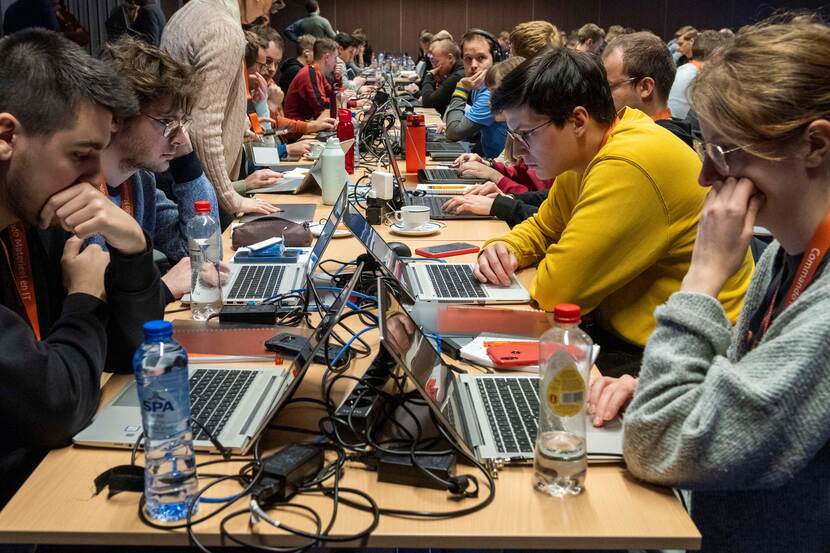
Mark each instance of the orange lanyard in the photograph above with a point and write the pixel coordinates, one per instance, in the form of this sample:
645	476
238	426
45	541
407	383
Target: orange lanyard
21	266
810	263
659	116
126	189
607	134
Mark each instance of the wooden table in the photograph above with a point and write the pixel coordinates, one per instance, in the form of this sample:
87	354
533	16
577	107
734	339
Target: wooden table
56	504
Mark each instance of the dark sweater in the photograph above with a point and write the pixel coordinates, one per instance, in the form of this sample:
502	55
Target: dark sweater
150	23
26	14
50	389
288	70
438	96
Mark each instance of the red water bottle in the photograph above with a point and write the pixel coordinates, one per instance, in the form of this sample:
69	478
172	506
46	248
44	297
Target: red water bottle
345	131
416	142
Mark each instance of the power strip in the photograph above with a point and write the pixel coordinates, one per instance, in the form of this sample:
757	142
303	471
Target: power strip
364	401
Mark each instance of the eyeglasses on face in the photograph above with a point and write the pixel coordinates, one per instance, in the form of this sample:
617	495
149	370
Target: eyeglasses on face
523	137
170	126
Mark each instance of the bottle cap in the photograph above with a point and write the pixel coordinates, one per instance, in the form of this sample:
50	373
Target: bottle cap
566	313
157	329
202	206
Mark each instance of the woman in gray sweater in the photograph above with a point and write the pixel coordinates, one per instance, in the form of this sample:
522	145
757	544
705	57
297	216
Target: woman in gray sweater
741	416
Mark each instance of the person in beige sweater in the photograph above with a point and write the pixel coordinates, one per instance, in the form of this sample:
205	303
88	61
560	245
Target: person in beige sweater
207	34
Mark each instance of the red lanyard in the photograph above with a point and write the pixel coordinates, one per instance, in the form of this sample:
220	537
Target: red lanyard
126	189
21	266
810	263
661	115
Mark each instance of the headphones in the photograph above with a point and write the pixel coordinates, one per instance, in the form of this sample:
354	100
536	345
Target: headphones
495	49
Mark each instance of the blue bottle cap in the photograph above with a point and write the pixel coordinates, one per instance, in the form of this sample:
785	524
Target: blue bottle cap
158	329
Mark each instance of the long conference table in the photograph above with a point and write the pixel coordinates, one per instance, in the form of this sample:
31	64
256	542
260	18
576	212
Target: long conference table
57	504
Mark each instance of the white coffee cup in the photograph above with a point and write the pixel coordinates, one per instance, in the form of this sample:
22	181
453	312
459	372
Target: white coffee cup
412	217
316	149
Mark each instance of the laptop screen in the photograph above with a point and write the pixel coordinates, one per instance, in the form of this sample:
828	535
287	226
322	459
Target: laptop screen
303	360
328	231
377	248
423	364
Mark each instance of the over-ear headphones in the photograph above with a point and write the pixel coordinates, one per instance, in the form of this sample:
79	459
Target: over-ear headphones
495	49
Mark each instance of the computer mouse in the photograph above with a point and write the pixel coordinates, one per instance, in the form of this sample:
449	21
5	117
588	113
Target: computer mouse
401	249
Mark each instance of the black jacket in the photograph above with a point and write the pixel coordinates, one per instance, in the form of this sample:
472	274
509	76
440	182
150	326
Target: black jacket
50	389
439	98
288	70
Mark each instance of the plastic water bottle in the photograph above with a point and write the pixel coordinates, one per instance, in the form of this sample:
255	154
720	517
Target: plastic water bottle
334	171
560	459
160	366
204	240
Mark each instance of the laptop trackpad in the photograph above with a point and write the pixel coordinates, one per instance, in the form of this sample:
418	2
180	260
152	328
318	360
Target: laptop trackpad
128	398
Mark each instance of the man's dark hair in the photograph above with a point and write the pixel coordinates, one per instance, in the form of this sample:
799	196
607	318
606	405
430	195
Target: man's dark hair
311	6
706	43
645	55
555	82
590	31
344	41
61	75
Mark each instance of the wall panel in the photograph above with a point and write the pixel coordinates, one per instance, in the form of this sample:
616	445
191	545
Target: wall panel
498	15
433	15
567	14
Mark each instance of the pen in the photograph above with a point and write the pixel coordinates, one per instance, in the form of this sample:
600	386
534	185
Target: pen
489	343
448	186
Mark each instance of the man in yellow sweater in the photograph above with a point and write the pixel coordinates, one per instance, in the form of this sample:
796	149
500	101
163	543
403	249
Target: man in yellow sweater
616	234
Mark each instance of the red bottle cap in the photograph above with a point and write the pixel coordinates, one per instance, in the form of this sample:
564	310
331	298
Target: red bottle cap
566	313
202	206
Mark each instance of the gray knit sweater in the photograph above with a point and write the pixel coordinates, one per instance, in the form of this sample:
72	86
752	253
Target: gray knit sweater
746	431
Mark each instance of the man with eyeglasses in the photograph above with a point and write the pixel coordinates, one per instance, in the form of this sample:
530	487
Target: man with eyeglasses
153	141
617	232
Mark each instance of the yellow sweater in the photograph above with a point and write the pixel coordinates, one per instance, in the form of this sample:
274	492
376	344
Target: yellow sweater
618	239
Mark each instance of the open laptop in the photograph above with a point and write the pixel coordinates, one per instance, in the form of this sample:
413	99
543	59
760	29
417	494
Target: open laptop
435	200
493	416
298	181
445	176
445	151
257	282
235	404
438	282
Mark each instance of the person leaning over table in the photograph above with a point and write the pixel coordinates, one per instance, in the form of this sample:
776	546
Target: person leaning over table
615	237
207	35
738	415
67	312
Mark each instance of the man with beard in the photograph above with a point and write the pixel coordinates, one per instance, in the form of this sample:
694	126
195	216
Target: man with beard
67	312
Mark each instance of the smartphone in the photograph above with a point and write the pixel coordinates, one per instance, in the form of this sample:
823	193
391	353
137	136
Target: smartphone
517	354
447	250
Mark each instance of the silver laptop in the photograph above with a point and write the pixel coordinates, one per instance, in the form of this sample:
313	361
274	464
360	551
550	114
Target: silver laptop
258	282
438	282
235	404
494	416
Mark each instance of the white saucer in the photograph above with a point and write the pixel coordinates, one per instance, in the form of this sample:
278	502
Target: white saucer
424	230
317	228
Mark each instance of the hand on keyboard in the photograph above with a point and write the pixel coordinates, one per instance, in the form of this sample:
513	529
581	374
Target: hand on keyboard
477	205
609	396
496	265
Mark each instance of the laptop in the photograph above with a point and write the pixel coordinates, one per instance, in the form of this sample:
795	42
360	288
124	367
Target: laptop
446	176
257	282
436	282
300	182
235	404
435	202
493	416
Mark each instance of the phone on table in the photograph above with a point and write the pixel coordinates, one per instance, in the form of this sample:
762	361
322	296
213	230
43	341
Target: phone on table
516	354
447	250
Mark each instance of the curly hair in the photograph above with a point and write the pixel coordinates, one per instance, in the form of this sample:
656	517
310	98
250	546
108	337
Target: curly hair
152	74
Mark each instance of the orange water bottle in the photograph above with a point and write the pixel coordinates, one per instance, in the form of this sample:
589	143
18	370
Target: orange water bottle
416	142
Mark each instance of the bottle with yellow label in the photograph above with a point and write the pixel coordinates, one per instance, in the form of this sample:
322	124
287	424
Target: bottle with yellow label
560	460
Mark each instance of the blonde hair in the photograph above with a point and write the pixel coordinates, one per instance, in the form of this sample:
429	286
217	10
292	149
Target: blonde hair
531	37
767	85
498	71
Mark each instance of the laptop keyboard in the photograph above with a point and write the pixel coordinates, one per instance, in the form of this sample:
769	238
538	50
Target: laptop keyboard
512	406
449	147
435	203
441	174
257	282
454	281
214	395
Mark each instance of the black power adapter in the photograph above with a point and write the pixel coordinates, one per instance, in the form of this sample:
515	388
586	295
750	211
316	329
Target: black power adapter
399	469
266	314
286	471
